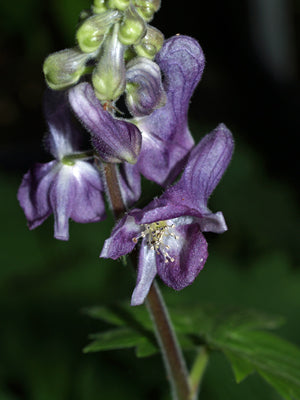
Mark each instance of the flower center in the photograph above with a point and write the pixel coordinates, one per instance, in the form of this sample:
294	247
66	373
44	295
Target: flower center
156	234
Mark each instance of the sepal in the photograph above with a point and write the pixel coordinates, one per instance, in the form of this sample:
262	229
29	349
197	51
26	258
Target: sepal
115	140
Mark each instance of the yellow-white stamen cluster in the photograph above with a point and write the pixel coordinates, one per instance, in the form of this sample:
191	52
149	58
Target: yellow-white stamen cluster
155	234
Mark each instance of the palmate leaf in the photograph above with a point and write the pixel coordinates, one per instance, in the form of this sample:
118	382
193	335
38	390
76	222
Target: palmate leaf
241	336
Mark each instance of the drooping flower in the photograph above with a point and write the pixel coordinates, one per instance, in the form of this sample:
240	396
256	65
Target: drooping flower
171	226
68	187
166	136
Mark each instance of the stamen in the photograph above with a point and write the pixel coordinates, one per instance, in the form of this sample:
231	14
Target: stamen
155	234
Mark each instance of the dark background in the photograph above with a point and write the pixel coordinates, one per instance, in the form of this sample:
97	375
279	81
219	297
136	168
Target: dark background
251	83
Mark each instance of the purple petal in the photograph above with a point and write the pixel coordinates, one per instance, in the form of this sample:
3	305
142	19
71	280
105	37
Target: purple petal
160	161
121	241
33	193
205	167
64	136
145	91
213	223
114	139
146	274
89	204
130	183
62	196
182	62
189	252
161	209
76	193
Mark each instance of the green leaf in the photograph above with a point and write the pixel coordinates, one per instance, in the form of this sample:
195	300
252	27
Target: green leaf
275	359
238	334
114	339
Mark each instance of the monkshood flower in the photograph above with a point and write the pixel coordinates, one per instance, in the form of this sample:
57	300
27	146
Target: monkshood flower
171	226
69	186
166	137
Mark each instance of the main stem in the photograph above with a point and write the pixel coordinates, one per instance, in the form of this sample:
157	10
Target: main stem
166	337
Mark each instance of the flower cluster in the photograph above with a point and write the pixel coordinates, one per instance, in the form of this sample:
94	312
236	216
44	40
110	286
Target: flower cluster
122	57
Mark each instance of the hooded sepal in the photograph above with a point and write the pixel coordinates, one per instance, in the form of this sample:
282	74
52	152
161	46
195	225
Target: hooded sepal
181	61
115	140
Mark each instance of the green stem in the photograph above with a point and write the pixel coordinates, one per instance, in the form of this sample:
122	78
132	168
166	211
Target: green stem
71	158
197	371
166	337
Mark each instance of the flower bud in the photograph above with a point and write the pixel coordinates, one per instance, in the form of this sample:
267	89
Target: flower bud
91	33
146	8
64	68
109	75
133	27
99	6
119	4
150	44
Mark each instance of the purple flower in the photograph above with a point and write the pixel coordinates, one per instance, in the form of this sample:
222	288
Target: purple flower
67	187
166	137
171	226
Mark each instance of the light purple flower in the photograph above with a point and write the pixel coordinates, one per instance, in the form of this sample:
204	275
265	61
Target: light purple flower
171	226
66	187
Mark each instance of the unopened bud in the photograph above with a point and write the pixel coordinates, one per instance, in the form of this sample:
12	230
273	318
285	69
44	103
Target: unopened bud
109	75
64	68
146	8
150	44
91	33
119	4
99	6
133	27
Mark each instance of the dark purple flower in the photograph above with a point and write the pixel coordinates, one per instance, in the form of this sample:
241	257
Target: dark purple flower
171	226
114	139
166	137
67	187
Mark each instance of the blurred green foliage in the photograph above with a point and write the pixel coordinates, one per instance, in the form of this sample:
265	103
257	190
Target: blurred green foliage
44	284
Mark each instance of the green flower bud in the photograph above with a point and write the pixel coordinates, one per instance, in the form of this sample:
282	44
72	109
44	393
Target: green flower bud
109	75
91	33
146	12
150	44
133	27
119	4
146	8
64	68
99	6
